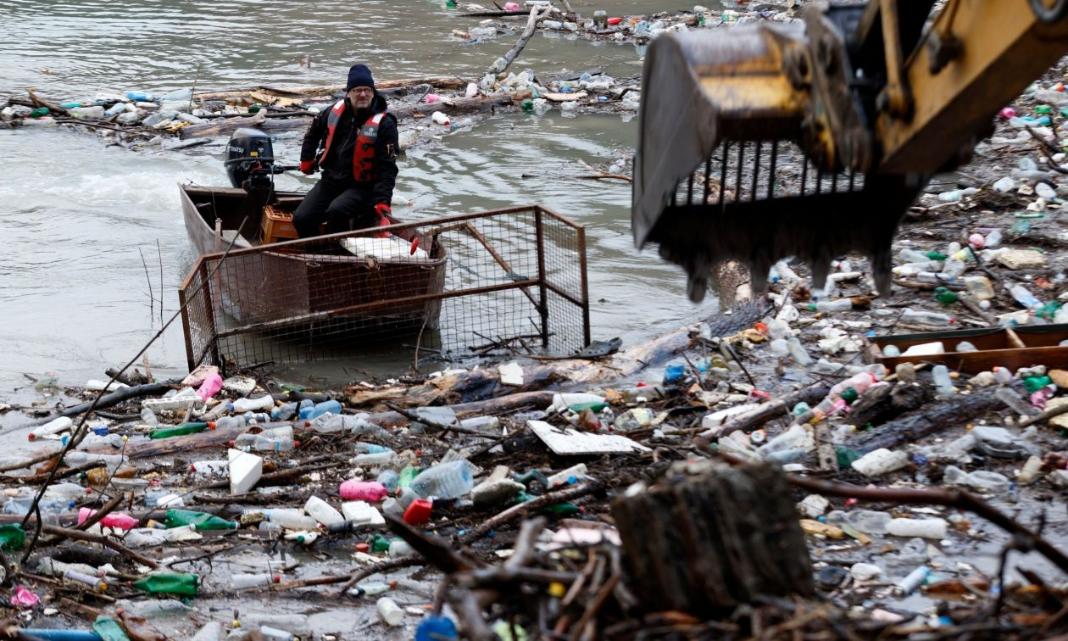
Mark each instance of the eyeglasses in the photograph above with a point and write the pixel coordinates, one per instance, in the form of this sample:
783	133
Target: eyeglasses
362	90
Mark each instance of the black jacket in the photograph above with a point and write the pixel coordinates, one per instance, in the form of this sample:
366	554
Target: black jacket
337	166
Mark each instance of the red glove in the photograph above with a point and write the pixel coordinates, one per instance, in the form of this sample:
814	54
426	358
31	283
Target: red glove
307	167
383	210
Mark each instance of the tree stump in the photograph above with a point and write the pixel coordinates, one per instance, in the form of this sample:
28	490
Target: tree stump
704	544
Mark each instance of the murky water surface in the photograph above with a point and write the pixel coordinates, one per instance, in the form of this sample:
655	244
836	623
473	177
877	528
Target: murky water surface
94	239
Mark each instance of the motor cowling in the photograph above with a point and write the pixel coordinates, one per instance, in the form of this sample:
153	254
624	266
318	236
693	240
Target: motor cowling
250	160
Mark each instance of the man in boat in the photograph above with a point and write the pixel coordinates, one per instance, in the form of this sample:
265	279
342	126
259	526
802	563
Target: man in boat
354	143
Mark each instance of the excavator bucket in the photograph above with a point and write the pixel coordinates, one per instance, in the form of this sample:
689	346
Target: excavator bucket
752	149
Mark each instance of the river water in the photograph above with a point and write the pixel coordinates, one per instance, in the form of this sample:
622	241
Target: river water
95	244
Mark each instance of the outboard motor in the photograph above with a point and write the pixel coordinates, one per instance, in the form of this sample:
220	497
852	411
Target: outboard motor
250	164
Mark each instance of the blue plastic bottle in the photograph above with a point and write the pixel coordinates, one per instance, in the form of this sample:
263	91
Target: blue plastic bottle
317	410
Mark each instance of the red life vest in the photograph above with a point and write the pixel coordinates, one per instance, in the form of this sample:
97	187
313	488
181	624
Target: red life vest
363	152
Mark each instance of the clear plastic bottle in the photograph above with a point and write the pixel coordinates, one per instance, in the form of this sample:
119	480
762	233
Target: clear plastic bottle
1025	298
148	417
933	528
827	306
244	581
320	409
285	411
389	479
943	383
445	481
798	352
921	317
869	521
228	422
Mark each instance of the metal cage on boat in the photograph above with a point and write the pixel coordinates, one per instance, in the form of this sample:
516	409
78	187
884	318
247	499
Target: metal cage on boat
504	280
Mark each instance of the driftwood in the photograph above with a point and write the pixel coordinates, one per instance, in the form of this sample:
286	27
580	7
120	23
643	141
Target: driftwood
442	82
114	398
500	65
704	544
448	105
886	402
752	420
925	421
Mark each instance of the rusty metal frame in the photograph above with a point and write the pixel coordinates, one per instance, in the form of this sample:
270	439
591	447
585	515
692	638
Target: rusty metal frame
540	214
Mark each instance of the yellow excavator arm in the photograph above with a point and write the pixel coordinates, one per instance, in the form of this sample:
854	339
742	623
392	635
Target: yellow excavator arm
811	139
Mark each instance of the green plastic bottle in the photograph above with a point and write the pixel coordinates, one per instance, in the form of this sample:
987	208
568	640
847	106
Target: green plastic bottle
201	521
1035	383
945	296
109	629
379	543
11	537
407	475
178	583
563	509
39	112
178	430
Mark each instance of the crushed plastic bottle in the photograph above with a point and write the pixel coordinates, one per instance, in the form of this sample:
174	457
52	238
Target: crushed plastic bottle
444	481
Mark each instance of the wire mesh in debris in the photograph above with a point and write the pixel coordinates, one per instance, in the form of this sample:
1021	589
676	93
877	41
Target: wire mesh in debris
473	284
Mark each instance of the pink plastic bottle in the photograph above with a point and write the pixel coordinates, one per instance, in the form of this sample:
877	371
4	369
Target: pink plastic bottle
210	387
371	491
117	521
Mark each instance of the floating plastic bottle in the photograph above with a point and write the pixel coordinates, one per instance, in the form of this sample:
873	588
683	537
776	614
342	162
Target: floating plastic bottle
179	583
115	520
261	404
577	402
244	581
201	521
445	481
920	317
178	430
370	491
285	411
943	382
390	613
322	511
933	528
319	409
436	628
1025	298
290	519
56	426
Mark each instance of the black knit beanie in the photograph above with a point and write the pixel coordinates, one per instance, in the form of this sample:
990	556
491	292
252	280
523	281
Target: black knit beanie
360	76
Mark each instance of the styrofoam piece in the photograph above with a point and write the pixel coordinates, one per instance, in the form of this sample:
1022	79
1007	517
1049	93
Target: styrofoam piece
567	441
511	374
245	471
362	513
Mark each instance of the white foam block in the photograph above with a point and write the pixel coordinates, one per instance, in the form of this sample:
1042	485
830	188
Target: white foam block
245	471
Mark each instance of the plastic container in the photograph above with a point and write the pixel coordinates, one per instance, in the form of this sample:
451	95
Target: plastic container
261	404
435	627
284	412
389	479
388	610
370	491
1024	297
319	409
322	512
577	402
178	430
933	528
418	512
869	521
445	481
914	580
230	422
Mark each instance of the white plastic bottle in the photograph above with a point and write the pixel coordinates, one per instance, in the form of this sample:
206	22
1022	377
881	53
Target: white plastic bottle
61	424
881	461
261	404
933	528
390	612
290	519
322	512
444	481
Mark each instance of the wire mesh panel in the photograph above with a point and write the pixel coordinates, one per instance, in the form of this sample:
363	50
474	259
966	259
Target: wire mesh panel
510	280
